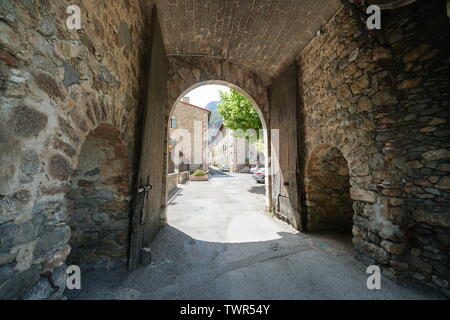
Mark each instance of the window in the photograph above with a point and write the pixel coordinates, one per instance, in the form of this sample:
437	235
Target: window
173	123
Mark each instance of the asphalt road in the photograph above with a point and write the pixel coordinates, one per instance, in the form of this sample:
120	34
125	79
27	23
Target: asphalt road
220	243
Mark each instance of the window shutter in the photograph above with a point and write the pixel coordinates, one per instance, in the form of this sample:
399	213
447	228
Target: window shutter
173	123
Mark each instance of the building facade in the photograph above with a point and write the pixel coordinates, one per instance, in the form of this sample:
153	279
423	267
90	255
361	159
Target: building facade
228	152
188	142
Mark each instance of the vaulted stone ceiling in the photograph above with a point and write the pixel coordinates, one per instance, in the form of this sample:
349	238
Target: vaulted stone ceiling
263	35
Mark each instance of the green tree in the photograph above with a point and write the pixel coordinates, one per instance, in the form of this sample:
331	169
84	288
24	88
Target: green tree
238	112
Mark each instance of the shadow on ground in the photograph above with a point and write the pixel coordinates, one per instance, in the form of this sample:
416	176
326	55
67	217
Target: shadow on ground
259	189
188	268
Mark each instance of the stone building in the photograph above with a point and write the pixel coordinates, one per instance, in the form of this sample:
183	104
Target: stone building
84	116
233	153
220	149
188	137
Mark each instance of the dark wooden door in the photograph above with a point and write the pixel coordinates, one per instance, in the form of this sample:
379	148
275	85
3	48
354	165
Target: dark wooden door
284	150
148	196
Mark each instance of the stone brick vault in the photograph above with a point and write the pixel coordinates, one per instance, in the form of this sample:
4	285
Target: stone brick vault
372	125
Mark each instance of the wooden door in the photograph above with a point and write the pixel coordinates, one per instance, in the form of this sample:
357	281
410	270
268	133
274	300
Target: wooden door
147	197
283	94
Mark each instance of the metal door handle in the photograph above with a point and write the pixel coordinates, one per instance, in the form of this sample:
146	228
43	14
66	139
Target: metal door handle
146	188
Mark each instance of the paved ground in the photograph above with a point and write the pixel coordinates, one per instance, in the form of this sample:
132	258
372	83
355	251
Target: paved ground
220	244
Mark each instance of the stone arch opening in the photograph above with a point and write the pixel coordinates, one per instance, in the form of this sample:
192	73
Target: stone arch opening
327	184
98	202
226	84
262	116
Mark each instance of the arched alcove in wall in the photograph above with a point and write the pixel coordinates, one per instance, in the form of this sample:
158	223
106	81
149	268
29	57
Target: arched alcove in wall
98	202
327	186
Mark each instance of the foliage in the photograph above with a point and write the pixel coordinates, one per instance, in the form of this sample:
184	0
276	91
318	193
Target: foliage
259	145
238	113
199	173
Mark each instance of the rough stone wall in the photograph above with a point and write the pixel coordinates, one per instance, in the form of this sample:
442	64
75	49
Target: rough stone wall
56	86
416	138
98	202
342	88
328	191
187	73
386	110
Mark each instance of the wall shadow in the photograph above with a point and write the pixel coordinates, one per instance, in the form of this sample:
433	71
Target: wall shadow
190	266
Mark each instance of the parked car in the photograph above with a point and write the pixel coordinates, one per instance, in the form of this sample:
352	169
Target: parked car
254	169
225	168
260	175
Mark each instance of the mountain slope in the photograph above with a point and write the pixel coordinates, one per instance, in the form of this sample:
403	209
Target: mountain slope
215	121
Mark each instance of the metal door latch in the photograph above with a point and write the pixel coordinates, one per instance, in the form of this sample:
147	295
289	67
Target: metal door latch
142	197
146	188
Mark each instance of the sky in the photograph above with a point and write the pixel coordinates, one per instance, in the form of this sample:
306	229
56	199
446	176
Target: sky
201	96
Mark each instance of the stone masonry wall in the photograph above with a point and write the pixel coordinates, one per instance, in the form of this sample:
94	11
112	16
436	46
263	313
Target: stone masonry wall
98	203
386	109
56	86
327	185
192	119
342	88
187	73
416	138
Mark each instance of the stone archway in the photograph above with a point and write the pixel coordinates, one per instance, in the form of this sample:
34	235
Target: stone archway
188	73
98	202
262	115
327	185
